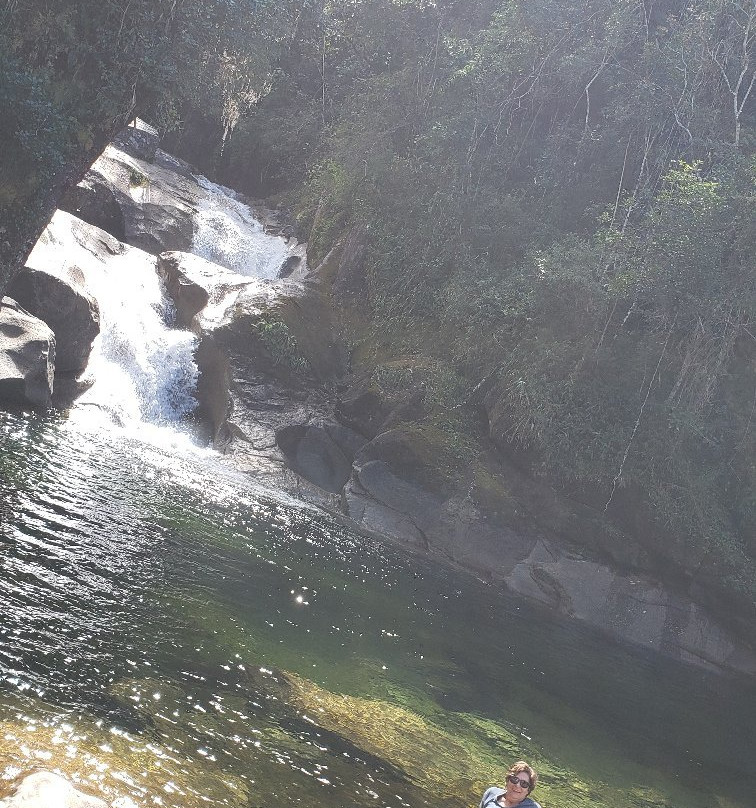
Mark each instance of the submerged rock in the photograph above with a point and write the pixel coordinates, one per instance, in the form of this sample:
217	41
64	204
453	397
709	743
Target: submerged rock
431	756
49	790
27	357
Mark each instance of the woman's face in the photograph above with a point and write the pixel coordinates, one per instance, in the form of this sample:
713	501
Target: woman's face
516	792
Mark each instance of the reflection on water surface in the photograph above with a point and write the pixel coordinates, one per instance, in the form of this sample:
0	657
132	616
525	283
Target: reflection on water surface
170	635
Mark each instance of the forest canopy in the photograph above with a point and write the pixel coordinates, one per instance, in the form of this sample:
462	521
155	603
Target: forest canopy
565	193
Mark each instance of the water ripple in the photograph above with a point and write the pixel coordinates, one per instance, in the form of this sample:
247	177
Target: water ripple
167	634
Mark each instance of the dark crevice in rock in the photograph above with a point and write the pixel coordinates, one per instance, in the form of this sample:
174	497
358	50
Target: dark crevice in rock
212	393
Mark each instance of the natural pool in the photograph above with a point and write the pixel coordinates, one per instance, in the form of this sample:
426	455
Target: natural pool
170	634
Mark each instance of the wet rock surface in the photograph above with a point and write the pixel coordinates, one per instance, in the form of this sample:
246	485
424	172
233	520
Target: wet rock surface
345	453
45	789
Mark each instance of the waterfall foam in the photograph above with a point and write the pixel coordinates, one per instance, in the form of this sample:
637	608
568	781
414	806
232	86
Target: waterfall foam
143	372
227	233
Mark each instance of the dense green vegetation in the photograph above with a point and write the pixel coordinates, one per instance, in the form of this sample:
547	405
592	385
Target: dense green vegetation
565	192
553	202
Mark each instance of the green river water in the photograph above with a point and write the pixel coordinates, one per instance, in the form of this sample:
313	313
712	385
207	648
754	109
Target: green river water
171	635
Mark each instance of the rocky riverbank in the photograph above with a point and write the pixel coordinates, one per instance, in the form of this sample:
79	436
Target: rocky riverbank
282	396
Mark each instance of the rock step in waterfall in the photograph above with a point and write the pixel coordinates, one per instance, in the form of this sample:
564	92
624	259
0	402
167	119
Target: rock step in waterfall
251	357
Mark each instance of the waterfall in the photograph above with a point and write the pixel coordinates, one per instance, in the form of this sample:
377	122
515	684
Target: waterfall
227	233
142	371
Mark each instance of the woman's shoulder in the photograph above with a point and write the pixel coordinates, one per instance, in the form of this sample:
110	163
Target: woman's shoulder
491	795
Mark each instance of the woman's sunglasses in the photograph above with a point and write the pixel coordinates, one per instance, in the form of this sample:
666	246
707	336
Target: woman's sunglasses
515	781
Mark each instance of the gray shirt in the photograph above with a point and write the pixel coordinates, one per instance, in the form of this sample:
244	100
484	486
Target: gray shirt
493	794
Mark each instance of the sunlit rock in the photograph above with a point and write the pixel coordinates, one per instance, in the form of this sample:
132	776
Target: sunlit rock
138	139
633	608
152	205
263	363
197	285
27	357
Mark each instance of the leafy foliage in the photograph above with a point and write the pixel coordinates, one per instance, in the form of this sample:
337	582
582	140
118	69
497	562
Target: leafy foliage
564	194
73	73
280	343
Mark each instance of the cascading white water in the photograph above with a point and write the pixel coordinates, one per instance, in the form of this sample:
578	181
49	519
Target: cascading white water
143	372
227	233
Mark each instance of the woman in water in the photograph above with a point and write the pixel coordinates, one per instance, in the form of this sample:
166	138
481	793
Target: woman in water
521	780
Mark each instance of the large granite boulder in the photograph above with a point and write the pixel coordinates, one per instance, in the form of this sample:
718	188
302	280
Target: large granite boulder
635	608
123	194
321	453
397	489
148	205
58	297
138	139
197	285
95	201
263	354
27	357
383	497
44	789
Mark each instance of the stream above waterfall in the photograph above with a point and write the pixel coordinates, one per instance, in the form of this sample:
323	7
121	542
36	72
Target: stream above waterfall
172	635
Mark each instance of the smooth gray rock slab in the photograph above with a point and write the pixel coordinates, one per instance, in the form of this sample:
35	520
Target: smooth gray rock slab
27	357
58	297
139	139
96	202
452	528
633	608
157	205
197	285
